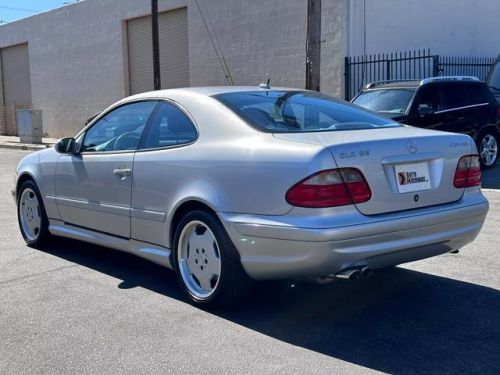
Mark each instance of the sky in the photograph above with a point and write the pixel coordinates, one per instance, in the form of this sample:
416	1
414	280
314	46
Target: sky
12	10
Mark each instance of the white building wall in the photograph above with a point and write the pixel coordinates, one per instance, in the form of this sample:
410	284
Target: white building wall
447	27
78	56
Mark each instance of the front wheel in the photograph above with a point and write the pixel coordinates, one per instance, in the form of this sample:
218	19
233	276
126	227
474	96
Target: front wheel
207	263
31	215
488	149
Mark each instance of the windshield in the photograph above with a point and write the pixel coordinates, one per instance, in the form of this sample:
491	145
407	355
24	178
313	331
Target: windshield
386	100
299	111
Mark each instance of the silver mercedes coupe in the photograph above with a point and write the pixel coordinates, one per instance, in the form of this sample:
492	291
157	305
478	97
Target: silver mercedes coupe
229	184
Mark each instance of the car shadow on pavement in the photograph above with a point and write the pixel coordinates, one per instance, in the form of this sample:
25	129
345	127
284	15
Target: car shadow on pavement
397	321
490	178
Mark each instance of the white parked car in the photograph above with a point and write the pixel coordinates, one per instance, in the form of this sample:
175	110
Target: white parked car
227	184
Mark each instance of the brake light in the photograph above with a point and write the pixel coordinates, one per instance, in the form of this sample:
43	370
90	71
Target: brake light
468	173
330	188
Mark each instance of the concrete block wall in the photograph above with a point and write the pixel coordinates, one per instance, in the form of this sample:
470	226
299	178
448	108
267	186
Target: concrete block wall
8	120
333	36
260	39
78	55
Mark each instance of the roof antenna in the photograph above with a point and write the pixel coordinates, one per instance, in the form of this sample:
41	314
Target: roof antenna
266	86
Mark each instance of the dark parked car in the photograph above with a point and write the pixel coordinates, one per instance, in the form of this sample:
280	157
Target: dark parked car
493	79
454	104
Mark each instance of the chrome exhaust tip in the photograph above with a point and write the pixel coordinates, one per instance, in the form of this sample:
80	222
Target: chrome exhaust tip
349	274
366	272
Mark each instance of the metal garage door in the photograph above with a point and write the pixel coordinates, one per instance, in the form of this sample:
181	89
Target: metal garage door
174	55
15	85
16	76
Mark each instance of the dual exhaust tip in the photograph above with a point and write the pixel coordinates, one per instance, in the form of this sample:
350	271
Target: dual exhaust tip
355	273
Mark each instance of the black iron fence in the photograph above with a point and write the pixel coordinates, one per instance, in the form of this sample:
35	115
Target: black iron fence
419	64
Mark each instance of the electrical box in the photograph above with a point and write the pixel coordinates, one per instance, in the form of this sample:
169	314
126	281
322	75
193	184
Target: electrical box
29	125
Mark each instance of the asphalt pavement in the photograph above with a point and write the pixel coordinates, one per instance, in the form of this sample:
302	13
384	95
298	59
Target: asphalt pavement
79	308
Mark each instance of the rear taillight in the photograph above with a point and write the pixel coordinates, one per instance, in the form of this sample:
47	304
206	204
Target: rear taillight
468	173
330	188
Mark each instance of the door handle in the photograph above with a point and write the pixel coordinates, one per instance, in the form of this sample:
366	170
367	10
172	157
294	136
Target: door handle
123	173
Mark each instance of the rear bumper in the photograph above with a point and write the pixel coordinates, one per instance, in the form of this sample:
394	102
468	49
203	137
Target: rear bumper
282	250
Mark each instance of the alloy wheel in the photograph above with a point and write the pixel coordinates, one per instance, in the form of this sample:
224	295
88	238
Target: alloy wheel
30	214
488	150
199	259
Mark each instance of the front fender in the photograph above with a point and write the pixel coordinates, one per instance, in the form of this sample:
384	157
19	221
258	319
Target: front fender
40	167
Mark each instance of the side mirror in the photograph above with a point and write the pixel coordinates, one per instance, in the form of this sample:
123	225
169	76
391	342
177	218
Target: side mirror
66	146
424	111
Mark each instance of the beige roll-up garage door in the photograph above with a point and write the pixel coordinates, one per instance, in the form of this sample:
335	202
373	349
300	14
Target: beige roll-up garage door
174	55
16	76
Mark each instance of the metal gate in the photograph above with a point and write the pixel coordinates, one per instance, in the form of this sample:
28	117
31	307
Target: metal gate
418	64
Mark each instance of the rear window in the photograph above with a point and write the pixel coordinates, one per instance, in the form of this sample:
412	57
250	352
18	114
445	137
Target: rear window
299	111
479	93
464	94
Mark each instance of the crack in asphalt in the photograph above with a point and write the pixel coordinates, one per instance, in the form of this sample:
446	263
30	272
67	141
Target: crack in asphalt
17	259
20	278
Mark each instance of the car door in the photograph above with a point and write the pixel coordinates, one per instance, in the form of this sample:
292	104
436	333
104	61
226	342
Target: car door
161	172
93	187
458	108
425	111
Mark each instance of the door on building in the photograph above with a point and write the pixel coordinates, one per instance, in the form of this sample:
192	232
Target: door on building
15	85
174	52
94	187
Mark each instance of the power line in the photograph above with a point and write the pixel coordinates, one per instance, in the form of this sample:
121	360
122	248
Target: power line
223	58
221	62
20	9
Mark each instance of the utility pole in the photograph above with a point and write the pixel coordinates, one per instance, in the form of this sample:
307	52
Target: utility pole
313	44
156	47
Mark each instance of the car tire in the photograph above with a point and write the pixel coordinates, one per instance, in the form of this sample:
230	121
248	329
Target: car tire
207	263
488	149
31	215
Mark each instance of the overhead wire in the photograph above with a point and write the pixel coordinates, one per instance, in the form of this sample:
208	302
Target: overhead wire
20	9
220	58
212	25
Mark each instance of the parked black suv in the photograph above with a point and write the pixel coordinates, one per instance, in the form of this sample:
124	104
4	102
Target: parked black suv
454	104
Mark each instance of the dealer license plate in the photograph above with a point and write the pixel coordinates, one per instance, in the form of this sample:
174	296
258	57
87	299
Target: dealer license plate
412	177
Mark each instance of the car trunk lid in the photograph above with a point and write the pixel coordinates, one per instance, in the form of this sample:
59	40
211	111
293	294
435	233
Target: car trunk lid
405	167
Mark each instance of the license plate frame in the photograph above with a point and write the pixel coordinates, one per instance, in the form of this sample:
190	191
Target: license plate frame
412	177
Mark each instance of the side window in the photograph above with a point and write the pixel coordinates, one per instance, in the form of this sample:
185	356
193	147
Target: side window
170	127
430	100
456	96
478	94
120	129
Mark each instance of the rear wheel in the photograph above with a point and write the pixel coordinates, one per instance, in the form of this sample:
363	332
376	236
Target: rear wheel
31	215
488	149
208	268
